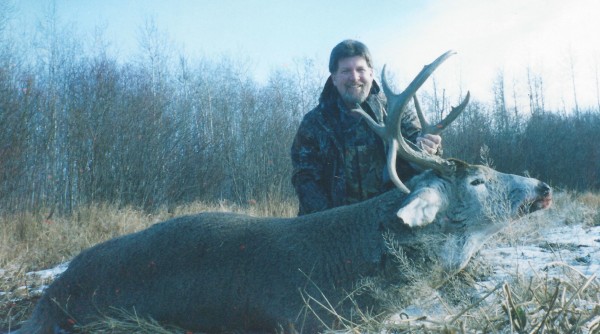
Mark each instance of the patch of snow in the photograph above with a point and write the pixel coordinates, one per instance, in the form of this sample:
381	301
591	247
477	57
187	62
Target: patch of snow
37	281
553	252
45	277
48	274
576	247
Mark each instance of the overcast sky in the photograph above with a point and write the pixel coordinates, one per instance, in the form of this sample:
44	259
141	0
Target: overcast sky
546	36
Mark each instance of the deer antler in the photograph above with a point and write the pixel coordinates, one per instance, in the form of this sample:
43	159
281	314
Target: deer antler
391	131
427	128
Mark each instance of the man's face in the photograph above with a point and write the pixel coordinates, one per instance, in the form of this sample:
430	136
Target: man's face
353	80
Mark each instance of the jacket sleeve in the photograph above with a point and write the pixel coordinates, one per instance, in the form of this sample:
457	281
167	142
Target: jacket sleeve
308	170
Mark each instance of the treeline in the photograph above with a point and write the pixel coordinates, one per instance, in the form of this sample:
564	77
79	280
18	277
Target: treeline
77	126
142	136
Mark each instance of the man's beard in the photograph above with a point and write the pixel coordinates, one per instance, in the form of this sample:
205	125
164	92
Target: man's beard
355	97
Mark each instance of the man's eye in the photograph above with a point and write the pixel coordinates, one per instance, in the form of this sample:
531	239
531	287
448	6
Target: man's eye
477	182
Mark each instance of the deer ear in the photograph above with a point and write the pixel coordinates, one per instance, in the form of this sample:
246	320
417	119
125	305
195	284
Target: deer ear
421	207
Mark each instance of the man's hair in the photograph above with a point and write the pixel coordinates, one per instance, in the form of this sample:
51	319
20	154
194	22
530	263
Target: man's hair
346	49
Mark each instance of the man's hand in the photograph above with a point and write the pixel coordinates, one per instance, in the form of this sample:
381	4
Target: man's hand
429	143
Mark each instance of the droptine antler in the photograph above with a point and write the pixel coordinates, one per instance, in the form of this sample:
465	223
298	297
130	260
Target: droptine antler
391	131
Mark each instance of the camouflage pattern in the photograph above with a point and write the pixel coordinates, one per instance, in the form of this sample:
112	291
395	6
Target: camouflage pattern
337	159
364	158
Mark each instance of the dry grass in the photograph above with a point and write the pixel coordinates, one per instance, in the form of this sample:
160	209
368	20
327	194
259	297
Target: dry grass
31	242
129	323
462	304
539	305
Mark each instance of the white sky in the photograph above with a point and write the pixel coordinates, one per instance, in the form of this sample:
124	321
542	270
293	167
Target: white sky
546	36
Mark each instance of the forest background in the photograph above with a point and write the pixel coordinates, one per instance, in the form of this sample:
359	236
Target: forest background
79	126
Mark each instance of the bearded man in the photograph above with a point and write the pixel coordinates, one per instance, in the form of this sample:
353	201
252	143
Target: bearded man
337	159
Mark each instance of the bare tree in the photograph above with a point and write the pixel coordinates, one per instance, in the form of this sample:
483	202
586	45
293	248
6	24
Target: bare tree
536	91
597	84
572	72
501	110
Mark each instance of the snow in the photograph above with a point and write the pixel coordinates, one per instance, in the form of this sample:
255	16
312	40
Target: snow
575	246
36	281
555	250
46	276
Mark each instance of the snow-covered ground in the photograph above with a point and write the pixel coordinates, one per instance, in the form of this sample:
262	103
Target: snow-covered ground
46	276
576	247
37	281
549	246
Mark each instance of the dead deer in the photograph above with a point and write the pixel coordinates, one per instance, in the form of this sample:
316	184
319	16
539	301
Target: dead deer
224	272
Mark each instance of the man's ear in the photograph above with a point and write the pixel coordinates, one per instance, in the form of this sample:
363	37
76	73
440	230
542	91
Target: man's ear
334	78
421	207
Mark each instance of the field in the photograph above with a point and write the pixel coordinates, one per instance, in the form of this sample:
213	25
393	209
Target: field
538	276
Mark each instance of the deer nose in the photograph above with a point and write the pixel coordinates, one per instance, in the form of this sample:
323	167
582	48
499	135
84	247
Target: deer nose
543	189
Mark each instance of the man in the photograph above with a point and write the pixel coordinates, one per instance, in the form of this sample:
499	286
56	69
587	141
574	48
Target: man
337	159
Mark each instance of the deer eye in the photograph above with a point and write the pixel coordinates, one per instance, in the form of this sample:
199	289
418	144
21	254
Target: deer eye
477	182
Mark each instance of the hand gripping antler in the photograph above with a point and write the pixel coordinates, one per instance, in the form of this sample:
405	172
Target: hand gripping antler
391	131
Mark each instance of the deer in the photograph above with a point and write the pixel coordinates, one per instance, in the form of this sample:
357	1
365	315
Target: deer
225	272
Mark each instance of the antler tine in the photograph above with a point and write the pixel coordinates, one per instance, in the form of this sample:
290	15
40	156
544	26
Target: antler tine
398	102
391	131
378	128
425	73
422	120
427	128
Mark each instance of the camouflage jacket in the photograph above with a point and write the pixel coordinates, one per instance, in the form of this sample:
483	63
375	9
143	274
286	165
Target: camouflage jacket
337	159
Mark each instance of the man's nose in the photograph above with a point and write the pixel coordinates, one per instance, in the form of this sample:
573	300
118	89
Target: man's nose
354	75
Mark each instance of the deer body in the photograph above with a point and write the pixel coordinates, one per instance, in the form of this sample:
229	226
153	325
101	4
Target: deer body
217	271
221	271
